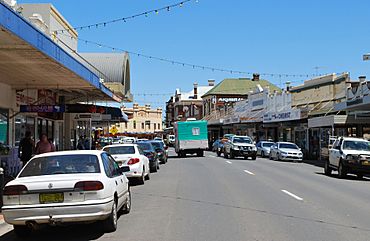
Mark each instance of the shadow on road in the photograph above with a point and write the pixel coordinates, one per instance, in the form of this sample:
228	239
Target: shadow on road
348	177
70	233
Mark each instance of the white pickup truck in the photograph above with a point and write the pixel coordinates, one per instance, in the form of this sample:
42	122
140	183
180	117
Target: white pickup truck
349	155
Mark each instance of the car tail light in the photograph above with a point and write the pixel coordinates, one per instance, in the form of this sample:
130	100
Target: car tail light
133	161
149	155
14	190
89	185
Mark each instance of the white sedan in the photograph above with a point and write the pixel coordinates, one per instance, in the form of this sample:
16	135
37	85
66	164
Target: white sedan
131	155
286	151
67	187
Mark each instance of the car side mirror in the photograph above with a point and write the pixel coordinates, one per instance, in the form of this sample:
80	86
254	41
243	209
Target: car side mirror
124	169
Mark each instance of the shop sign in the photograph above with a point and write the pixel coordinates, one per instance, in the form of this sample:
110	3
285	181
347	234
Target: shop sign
47	97
88	117
355	102
282	116
26	97
42	108
250	119
228	99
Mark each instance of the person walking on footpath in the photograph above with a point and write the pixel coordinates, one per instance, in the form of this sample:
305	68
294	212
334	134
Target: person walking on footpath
44	145
26	148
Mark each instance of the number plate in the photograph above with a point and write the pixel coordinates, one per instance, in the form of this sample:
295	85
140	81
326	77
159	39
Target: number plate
51	197
366	163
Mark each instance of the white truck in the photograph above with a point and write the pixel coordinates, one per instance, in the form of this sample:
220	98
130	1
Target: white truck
349	155
191	137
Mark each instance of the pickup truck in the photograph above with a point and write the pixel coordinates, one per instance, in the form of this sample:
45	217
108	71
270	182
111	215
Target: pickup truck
349	155
240	146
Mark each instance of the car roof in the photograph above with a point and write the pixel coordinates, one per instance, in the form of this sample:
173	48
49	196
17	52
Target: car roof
242	136
285	142
352	139
123	144
72	152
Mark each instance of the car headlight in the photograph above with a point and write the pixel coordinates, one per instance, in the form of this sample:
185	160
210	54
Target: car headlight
283	153
300	154
236	147
254	148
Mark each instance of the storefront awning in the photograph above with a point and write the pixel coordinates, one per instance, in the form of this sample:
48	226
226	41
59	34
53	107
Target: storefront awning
29	59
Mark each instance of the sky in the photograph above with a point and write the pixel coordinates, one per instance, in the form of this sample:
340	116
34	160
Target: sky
263	36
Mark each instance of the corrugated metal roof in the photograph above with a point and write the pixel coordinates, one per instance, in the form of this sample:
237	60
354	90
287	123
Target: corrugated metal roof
113	65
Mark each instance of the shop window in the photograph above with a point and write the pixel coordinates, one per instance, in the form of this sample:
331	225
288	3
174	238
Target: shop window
4	126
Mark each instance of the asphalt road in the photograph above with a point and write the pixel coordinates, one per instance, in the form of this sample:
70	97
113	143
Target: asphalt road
212	198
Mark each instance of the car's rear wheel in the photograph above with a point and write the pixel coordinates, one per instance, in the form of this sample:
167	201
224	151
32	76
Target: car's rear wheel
327	169
342	172
232	156
110	224
22	231
147	177
141	179
127	206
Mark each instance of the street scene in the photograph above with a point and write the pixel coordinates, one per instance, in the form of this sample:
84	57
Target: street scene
184	120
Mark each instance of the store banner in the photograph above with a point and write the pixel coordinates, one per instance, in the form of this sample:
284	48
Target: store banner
42	108
287	115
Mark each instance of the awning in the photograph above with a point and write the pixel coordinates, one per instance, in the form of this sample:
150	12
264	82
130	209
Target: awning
29	59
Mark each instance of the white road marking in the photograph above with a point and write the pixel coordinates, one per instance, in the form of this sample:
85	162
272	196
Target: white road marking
250	173
292	195
229	162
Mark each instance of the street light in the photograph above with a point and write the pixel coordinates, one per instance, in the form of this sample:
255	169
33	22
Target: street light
366	57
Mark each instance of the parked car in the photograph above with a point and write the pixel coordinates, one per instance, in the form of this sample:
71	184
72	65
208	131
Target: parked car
224	139
131	155
240	146
151	154
216	144
67	187
349	155
286	151
129	140
161	150
263	148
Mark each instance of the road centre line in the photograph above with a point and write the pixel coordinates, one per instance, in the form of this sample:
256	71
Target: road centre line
250	173
292	195
229	162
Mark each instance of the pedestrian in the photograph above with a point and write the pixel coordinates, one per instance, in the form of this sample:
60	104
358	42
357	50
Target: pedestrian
80	144
26	148
44	145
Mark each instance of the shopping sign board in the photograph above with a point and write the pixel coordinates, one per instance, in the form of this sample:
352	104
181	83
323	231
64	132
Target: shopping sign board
42	108
282	116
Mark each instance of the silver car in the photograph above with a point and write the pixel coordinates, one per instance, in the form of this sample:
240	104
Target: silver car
286	151
263	148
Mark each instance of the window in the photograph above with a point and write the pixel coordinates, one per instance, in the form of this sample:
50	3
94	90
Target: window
114	166
61	164
142	126
126	125
154	126
134	124
108	168
196	131
114	150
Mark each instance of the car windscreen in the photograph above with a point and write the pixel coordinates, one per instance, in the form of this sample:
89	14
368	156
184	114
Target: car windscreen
356	145
120	150
288	146
242	140
157	145
61	164
145	146
267	144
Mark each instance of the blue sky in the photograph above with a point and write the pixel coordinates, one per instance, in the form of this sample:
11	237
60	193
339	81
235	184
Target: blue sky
286	36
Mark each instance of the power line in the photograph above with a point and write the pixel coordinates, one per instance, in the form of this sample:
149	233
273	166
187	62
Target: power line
124	19
184	64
